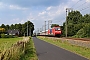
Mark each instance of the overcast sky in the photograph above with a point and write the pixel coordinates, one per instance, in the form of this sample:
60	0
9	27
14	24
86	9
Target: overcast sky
38	11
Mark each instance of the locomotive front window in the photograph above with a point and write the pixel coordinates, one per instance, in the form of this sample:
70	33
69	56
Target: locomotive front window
57	29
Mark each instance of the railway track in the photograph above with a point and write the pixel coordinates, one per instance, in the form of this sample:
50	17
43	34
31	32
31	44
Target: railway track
83	42
82	39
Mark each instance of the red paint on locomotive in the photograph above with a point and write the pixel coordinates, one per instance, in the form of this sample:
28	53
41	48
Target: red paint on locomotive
55	31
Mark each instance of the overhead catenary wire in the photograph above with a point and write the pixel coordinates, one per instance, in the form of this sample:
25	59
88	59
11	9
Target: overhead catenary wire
76	7
75	3
81	5
85	8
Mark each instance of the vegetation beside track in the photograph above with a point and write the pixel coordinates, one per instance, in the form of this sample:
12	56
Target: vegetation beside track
85	52
30	51
18	50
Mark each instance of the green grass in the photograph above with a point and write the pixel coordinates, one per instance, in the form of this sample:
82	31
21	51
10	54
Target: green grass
16	53
85	52
30	52
6	43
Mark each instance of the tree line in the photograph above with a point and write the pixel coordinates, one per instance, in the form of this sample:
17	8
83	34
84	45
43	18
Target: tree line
21	27
78	25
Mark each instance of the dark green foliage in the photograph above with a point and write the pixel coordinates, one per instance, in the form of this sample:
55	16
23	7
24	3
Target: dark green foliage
77	25
86	18
2	26
84	32
7	36
54	25
21	27
3	36
74	17
30	51
30	28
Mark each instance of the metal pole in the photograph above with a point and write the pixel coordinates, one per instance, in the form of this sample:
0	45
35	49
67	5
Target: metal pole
66	22
42	28
50	21
30	31
27	28
67	11
45	27
48	25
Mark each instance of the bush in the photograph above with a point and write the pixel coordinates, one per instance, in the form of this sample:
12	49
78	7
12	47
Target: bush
7	36
10	36
3	36
84	32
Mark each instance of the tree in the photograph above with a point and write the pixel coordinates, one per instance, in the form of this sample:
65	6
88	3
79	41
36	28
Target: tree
12	27
54	25
7	27
74	19
2	30
2	26
30	28
21	27
83	32
86	18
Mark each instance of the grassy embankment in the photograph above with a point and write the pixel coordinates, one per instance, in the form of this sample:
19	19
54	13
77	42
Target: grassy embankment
30	52
10	50
85	52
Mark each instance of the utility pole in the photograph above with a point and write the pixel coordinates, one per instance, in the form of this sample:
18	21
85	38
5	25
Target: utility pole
27	28
30	31
67	11
38	30
45	27
42	28
48	24
50	21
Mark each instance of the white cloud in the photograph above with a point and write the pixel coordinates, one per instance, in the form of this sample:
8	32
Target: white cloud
17	19
31	17
2	5
42	13
49	8
54	13
22	21
88	1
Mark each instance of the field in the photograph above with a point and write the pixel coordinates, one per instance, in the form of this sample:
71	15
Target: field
22	50
85	52
6	43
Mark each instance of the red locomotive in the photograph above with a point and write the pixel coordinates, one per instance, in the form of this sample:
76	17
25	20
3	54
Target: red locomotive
55	31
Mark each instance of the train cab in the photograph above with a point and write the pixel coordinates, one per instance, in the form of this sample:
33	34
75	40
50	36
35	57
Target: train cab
55	31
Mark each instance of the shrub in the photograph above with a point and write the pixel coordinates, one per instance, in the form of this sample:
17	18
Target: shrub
11	36
3	36
7	36
84	32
